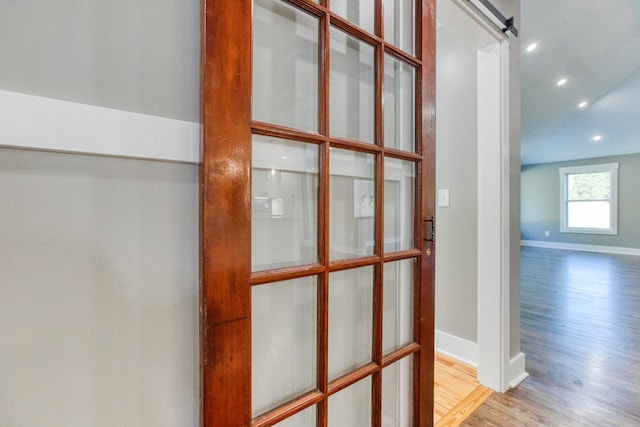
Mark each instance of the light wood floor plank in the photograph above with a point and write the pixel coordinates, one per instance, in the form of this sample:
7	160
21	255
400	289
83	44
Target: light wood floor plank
457	391
465	408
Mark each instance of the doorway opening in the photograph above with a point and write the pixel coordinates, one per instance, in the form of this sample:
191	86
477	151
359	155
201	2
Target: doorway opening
472	181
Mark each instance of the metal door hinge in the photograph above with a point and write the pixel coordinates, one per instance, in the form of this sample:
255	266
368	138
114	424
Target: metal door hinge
430	230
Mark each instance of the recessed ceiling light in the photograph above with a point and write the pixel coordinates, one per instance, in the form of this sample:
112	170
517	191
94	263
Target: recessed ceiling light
284	157
562	82
532	47
583	104
597	138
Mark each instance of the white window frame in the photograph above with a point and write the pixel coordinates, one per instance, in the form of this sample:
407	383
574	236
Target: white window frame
612	168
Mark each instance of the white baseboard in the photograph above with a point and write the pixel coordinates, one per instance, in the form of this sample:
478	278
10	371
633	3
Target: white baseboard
517	372
456	347
467	352
580	247
34	122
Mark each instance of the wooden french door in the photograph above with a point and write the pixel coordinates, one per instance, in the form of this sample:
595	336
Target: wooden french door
317	190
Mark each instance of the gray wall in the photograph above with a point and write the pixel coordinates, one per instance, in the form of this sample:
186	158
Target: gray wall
99	256
456	169
541	203
140	56
98	291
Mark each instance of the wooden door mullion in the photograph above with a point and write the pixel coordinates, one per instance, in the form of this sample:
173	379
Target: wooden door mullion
323	340
325	54
378	301
377	344
323	241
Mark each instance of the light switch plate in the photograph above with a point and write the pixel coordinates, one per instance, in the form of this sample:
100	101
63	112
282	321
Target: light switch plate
443	198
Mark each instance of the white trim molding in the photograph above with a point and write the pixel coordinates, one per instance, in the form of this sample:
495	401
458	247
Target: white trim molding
609	168
494	321
467	352
517	372
581	247
459	348
38	123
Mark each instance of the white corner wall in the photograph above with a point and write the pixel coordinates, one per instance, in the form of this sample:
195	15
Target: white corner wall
497	344
98	291
456	171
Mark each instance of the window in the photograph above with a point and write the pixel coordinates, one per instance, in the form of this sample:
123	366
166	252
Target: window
589	199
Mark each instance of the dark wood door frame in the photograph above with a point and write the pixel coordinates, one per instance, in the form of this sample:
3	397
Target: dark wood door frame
225	297
225	290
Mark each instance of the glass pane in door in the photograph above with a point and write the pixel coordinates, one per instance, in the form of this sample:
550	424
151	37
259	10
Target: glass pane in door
351	406
398	296
399	23
399	104
352	204
399	204
285	65
305	418
284	342
359	12
350	320
397	394
351	91
284	185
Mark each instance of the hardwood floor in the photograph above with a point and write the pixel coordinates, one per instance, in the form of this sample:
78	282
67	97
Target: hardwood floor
581	336
457	391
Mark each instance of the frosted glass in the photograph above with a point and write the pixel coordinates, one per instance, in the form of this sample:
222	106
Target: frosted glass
399	104
351	406
284	339
399	23
397	394
399	204
350	320
351	94
359	12
306	418
352	204
284	191
285	65
398	297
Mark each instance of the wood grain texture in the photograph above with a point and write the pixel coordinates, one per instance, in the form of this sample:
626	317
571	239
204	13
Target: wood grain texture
465	407
581	336
225	213
457	391
426	126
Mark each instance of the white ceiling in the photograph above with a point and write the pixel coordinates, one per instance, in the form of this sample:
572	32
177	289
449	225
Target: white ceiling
595	45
